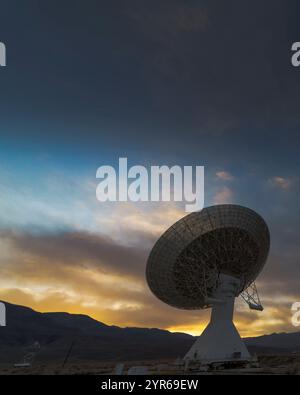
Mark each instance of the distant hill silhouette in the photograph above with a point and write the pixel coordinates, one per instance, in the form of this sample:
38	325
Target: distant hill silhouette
94	340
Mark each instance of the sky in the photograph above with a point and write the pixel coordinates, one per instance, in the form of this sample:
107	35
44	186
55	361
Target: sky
167	82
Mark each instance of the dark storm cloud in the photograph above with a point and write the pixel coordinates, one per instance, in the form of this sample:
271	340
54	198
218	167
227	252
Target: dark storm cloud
86	250
81	248
281	275
235	67
217	73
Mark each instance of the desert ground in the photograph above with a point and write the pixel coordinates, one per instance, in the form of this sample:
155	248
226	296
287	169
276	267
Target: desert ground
269	365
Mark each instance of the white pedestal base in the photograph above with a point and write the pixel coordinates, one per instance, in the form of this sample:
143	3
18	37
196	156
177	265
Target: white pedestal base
220	341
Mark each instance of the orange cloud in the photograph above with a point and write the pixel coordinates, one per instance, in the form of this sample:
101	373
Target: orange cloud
225	176
94	275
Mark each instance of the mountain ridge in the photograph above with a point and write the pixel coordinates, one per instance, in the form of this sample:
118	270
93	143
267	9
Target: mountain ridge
94	340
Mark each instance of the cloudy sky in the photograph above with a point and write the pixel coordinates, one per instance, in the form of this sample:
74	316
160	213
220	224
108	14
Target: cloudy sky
203	82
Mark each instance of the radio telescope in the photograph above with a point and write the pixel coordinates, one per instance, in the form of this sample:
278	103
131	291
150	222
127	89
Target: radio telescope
206	260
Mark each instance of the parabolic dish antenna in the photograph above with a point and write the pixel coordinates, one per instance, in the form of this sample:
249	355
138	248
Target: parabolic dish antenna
206	260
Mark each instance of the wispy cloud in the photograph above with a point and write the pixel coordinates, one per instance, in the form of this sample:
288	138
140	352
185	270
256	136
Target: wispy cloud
281	183
224	175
